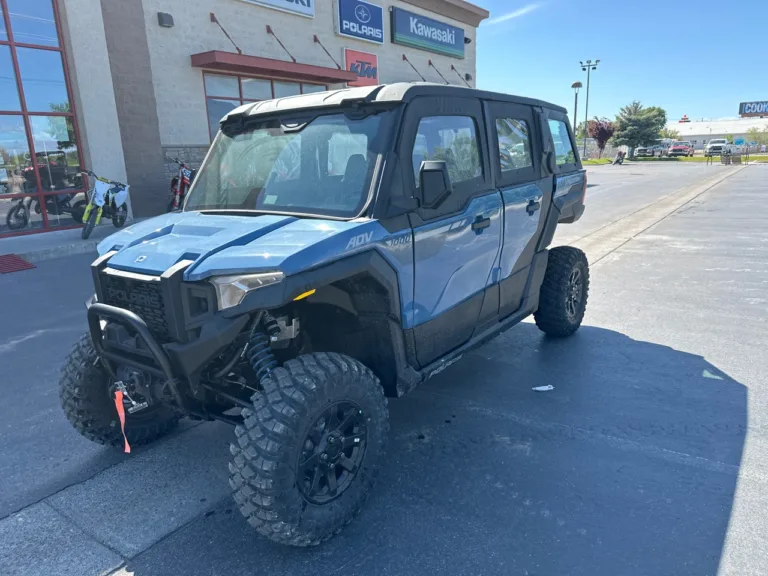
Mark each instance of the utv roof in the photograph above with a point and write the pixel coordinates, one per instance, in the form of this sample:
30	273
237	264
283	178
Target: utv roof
387	93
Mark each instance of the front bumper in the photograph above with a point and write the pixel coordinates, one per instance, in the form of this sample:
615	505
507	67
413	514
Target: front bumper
173	338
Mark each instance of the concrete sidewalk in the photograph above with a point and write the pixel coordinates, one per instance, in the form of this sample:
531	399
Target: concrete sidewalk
52	245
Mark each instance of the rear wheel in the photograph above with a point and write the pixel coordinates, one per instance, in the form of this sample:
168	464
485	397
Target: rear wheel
119	215
563	297
84	391
308	452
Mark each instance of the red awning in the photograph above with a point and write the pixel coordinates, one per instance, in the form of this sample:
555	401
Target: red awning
257	66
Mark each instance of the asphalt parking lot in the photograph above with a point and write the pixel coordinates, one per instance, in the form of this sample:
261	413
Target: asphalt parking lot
648	457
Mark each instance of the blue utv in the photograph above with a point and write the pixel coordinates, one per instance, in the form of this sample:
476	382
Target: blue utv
336	249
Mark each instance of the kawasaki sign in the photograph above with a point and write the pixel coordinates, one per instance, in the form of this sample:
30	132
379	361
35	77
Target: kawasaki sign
753	108
425	33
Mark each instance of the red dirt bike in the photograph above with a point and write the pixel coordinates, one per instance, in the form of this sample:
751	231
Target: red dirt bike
180	185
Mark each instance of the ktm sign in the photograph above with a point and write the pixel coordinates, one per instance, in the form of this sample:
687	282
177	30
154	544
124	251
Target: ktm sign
364	64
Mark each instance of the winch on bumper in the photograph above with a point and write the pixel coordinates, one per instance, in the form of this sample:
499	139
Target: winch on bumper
159	325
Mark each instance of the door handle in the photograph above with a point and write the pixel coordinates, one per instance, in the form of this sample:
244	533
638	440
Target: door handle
480	224
532	207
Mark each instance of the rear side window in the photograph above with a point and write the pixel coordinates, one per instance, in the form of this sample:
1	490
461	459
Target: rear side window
562	141
514	144
452	139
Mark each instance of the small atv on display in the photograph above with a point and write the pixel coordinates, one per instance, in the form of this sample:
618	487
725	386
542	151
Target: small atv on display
335	249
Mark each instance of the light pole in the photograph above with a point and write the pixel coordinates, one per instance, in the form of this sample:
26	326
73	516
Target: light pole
587	67
576	86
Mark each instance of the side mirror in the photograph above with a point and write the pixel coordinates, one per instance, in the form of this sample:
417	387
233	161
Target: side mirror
434	183
550	161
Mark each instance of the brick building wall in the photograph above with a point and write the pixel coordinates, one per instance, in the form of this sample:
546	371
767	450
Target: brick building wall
154	99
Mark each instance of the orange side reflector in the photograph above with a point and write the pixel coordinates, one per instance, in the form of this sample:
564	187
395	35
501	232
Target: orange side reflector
305	294
121	414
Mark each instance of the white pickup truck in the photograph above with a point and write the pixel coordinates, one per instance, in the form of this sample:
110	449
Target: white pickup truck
718	147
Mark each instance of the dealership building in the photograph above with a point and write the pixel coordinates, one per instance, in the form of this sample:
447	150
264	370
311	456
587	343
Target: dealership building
121	87
699	132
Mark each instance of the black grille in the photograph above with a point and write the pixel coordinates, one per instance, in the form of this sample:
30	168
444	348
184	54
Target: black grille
143	298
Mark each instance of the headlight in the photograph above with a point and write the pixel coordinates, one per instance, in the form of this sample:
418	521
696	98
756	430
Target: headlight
230	290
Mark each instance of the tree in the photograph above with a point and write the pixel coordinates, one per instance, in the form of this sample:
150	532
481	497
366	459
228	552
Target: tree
581	131
636	126
601	129
670	134
757	135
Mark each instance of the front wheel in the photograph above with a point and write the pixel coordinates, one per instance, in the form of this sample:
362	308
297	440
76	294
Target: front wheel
308	452
564	292
18	216
84	391
90	223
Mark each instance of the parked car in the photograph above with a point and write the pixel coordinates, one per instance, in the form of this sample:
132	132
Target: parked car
717	147
654	150
680	148
302	297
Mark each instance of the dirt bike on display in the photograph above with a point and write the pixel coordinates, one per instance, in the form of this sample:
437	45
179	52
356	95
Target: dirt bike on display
18	216
180	185
106	198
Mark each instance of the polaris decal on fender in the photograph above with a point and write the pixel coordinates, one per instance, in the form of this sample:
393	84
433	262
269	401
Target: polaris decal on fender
359	240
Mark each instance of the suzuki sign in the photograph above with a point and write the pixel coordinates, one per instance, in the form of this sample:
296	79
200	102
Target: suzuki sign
303	7
753	108
361	20
364	64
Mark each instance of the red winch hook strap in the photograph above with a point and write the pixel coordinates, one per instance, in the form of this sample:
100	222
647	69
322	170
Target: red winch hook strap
121	414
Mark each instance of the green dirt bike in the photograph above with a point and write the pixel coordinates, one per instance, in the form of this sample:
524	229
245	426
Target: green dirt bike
106	198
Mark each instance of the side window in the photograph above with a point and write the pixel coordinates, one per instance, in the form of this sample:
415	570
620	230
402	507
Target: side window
562	141
514	144
452	139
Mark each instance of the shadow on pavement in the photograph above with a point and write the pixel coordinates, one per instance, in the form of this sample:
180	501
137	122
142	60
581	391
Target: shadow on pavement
628	466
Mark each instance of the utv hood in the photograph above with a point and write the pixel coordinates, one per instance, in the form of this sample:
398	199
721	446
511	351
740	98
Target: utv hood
225	244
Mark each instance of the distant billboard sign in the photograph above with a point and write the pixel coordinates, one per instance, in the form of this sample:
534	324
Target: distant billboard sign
753	108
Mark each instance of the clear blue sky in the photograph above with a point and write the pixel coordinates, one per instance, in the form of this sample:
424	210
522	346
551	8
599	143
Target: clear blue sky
691	57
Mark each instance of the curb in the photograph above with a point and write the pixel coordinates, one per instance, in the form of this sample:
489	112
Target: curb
36	248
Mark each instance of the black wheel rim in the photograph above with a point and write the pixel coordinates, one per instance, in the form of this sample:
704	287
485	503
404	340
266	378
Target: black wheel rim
574	294
332	452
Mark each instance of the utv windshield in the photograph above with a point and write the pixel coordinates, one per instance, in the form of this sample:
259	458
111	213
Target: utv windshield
314	166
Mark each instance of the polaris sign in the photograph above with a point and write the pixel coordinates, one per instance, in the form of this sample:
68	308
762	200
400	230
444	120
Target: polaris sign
425	33
303	7
753	108
361	20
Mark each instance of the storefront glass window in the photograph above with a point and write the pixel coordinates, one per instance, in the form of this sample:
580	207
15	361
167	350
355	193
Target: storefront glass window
3	33
309	88
283	89
56	151
16	173
9	94
225	93
20	214
257	89
224	86
42	77
32	22
216	110
40	158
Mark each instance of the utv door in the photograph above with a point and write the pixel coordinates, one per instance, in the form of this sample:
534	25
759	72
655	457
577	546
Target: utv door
457	244
517	159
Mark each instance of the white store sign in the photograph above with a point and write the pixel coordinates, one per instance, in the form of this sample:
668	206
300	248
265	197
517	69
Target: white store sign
303	7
